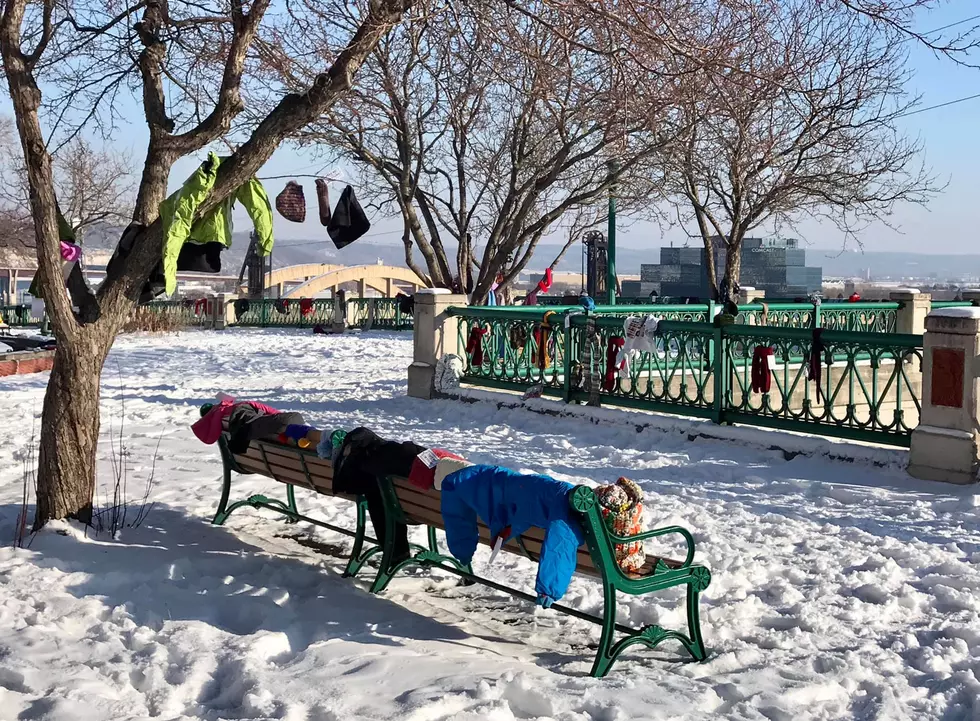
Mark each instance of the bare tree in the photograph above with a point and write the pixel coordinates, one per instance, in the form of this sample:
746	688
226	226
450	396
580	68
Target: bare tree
15	225
801	124
99	49
485	130
94	186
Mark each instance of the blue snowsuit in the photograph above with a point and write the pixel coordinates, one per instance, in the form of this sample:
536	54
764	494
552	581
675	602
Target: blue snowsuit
503	498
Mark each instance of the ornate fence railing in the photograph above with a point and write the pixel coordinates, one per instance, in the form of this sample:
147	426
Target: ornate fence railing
378	313
16	315
186	313
850	384
284	313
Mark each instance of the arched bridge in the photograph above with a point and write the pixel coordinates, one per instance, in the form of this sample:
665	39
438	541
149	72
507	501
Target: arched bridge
385	279
292	273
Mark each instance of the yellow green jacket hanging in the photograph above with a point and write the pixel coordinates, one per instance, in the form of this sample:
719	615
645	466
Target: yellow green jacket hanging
179	226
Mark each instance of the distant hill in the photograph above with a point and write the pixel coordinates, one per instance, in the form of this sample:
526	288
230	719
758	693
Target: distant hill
883	264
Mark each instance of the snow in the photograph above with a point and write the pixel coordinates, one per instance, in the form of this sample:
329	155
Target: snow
841	588
957	312
433	291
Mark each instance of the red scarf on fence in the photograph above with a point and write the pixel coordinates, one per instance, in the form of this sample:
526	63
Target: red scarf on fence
474	346
612	351
761	375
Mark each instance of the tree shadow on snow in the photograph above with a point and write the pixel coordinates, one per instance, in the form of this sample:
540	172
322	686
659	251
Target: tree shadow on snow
178	568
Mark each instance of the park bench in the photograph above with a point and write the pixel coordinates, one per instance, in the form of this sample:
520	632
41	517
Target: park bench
406	503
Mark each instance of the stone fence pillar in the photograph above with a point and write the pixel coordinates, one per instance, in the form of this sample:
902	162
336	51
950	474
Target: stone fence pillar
748	294
915	307
945	443
223	311
435	335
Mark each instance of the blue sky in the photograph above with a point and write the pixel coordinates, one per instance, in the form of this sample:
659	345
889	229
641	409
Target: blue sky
950	136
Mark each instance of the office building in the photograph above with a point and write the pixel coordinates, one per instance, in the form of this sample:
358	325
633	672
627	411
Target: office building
776	266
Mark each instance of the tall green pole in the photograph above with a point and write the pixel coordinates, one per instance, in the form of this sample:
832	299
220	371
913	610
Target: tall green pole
611	236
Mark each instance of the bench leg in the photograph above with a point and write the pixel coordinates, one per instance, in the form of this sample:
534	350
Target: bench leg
604	656
221	515
358	556
696	646
386	572
258	500
649	636
291	503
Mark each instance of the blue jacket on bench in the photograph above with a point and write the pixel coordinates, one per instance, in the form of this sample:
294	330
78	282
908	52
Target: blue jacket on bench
509	503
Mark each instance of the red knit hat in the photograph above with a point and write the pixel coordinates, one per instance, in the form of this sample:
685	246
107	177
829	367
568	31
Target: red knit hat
423	474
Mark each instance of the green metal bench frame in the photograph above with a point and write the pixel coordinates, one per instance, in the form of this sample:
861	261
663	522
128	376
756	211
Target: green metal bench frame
599	540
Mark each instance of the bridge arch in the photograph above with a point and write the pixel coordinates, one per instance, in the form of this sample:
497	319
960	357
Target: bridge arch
380	277
297	272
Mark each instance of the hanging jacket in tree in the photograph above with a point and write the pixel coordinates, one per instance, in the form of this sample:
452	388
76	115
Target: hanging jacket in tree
509	503
67	236
177	214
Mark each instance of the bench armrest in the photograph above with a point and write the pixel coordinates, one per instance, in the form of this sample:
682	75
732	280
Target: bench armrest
659	532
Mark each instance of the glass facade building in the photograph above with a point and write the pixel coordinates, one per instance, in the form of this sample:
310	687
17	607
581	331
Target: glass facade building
776	266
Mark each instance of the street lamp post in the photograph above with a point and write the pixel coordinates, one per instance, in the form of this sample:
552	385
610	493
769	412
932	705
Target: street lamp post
613	166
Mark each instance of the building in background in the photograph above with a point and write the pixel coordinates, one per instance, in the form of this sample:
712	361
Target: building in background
18	263
776	266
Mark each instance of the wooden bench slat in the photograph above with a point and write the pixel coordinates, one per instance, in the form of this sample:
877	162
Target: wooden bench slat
283	474
291	460
430	517
312	461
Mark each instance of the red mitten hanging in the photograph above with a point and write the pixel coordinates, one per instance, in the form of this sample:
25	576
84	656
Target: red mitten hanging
612	350
544	285
539	353
474	346
323	201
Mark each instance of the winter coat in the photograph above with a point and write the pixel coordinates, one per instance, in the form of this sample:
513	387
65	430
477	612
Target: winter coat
208	428
177	214
247	423
509	503
362	461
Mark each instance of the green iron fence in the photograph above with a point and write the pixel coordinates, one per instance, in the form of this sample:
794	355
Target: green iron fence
187	313
868	317
868	386
378	314
285	313
17	315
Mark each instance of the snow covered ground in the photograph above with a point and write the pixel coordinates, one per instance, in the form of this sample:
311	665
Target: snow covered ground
841	590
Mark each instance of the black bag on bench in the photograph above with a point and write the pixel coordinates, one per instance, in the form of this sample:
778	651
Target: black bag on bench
365	458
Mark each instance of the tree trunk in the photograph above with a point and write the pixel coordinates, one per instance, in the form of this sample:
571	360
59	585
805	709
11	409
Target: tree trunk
70	433
709	250
733	271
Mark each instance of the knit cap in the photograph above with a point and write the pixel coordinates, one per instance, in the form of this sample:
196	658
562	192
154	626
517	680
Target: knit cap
621	506
446	467
423	473
291	202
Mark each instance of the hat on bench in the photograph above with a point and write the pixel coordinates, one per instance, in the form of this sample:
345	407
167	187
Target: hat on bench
446	467
423	473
